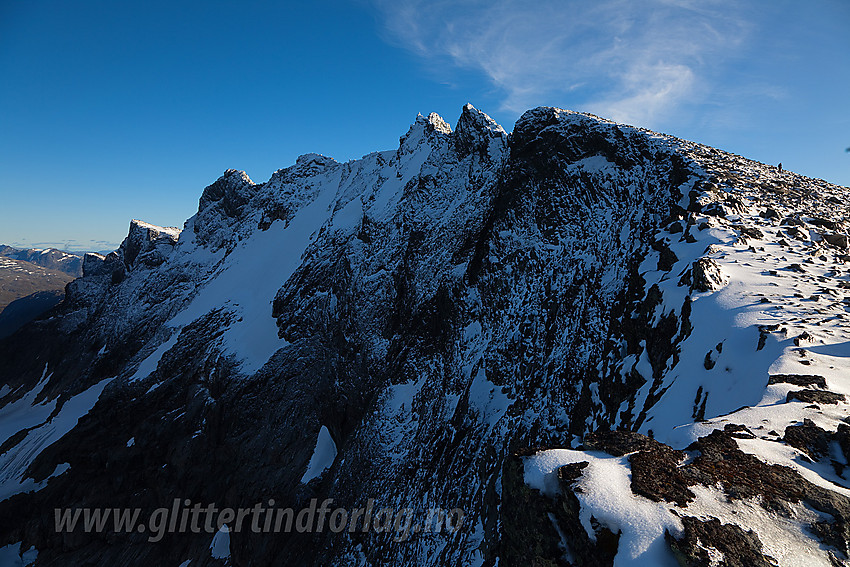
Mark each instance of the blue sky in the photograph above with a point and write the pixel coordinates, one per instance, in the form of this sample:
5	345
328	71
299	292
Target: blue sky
118	110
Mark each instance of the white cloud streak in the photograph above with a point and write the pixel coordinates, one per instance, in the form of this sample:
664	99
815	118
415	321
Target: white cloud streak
632	61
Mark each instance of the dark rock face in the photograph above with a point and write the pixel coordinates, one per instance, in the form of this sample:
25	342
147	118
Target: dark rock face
539	531
222	203
230	193
433	309
22	311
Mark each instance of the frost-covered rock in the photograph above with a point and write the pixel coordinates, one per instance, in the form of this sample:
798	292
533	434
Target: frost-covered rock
147	244
707	275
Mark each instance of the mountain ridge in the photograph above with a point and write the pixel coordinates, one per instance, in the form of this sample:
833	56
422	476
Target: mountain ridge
435	309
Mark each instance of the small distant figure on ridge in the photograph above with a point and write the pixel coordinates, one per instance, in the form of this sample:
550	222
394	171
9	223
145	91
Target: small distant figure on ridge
780	167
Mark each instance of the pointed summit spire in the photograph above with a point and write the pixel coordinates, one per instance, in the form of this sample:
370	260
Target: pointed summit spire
475	131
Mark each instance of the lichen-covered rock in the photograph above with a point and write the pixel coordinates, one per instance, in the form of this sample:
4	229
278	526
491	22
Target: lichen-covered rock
708	542
816	397
802	380
838	240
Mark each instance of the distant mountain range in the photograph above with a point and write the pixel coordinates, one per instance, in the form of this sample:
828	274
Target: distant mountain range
50	258
31	282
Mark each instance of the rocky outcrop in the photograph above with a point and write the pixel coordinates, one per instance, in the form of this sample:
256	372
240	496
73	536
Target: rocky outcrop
708	542
837	240
147	244
220	206
661	474
705	275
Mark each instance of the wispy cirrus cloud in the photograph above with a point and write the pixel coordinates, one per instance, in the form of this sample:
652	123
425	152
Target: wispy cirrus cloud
632	61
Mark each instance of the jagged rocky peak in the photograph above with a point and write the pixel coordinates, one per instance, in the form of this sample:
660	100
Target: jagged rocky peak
580	135
436	123
222	203
148	244
423	130
230	192
477	132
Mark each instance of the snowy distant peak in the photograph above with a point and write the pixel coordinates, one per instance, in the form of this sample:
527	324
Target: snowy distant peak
50	258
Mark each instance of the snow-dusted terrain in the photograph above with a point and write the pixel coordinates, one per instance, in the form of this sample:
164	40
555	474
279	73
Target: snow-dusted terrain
605	345
31	282
50	258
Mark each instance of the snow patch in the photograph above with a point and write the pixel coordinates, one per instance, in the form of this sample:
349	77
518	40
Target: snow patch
323	456
488	398
150	363
25	413
17	459
11	555
220	545
605	493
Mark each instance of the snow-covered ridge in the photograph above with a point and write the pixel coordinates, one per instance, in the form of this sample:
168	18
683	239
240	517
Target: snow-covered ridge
768	331
398	326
